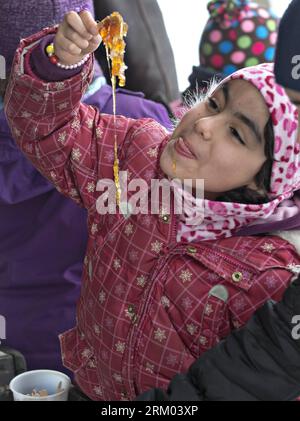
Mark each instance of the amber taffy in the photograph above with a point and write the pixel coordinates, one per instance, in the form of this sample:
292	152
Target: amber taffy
112	30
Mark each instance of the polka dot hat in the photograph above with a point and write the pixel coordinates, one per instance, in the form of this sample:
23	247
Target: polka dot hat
239	33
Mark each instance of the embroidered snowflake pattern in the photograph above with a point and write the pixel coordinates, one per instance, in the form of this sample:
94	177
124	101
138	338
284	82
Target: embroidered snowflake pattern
96	329
165	301
112	237
92	363
59	85
185	275
146	220
63	106
117	263
102	297
156	246
241	252
86	353
239	304
160	335
89	123
203	340
98	390
208	309
212	276
133	255
149	368
246	275
271	282
76	154
62	137
117	377
94	229
171	360
191	328
26	114
90	187
187	303
120	347
152	152
119	290
128	229
36	97
268	247
75	125
99	133
149	175
109	156
141	281
212	257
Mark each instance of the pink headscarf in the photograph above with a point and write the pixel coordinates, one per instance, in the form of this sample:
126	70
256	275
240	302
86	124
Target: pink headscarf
222	219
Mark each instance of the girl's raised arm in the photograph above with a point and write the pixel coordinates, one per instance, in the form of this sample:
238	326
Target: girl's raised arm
69	142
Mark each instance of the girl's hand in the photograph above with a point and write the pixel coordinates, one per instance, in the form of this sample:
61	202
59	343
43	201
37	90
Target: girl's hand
77	36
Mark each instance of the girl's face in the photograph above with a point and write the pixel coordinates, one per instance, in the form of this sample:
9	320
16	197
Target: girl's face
220	140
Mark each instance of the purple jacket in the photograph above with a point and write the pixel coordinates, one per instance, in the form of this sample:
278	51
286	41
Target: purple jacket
41	263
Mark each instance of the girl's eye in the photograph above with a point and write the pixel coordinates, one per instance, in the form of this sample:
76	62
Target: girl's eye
235	133
212	104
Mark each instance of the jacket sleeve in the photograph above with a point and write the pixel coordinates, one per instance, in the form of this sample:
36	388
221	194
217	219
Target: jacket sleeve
69	142
258	362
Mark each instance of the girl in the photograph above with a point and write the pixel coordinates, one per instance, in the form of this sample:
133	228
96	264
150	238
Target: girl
36	259
157	293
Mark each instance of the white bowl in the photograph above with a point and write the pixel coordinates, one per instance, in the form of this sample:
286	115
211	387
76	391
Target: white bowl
23	385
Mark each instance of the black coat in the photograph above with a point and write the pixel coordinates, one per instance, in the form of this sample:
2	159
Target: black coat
258	362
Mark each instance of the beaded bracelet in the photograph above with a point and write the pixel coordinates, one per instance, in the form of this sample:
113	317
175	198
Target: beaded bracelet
54	59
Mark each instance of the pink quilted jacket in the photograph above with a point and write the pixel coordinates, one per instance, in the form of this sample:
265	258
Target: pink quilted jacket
149	306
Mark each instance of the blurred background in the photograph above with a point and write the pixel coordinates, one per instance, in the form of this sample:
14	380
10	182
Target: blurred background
184	25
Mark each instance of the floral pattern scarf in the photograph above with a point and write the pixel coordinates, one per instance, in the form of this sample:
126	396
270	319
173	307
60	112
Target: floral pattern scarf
223	219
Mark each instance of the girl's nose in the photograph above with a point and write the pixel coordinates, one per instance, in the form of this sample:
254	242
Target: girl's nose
203	128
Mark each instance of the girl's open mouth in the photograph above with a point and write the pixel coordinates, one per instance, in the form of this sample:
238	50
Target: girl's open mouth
182	148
